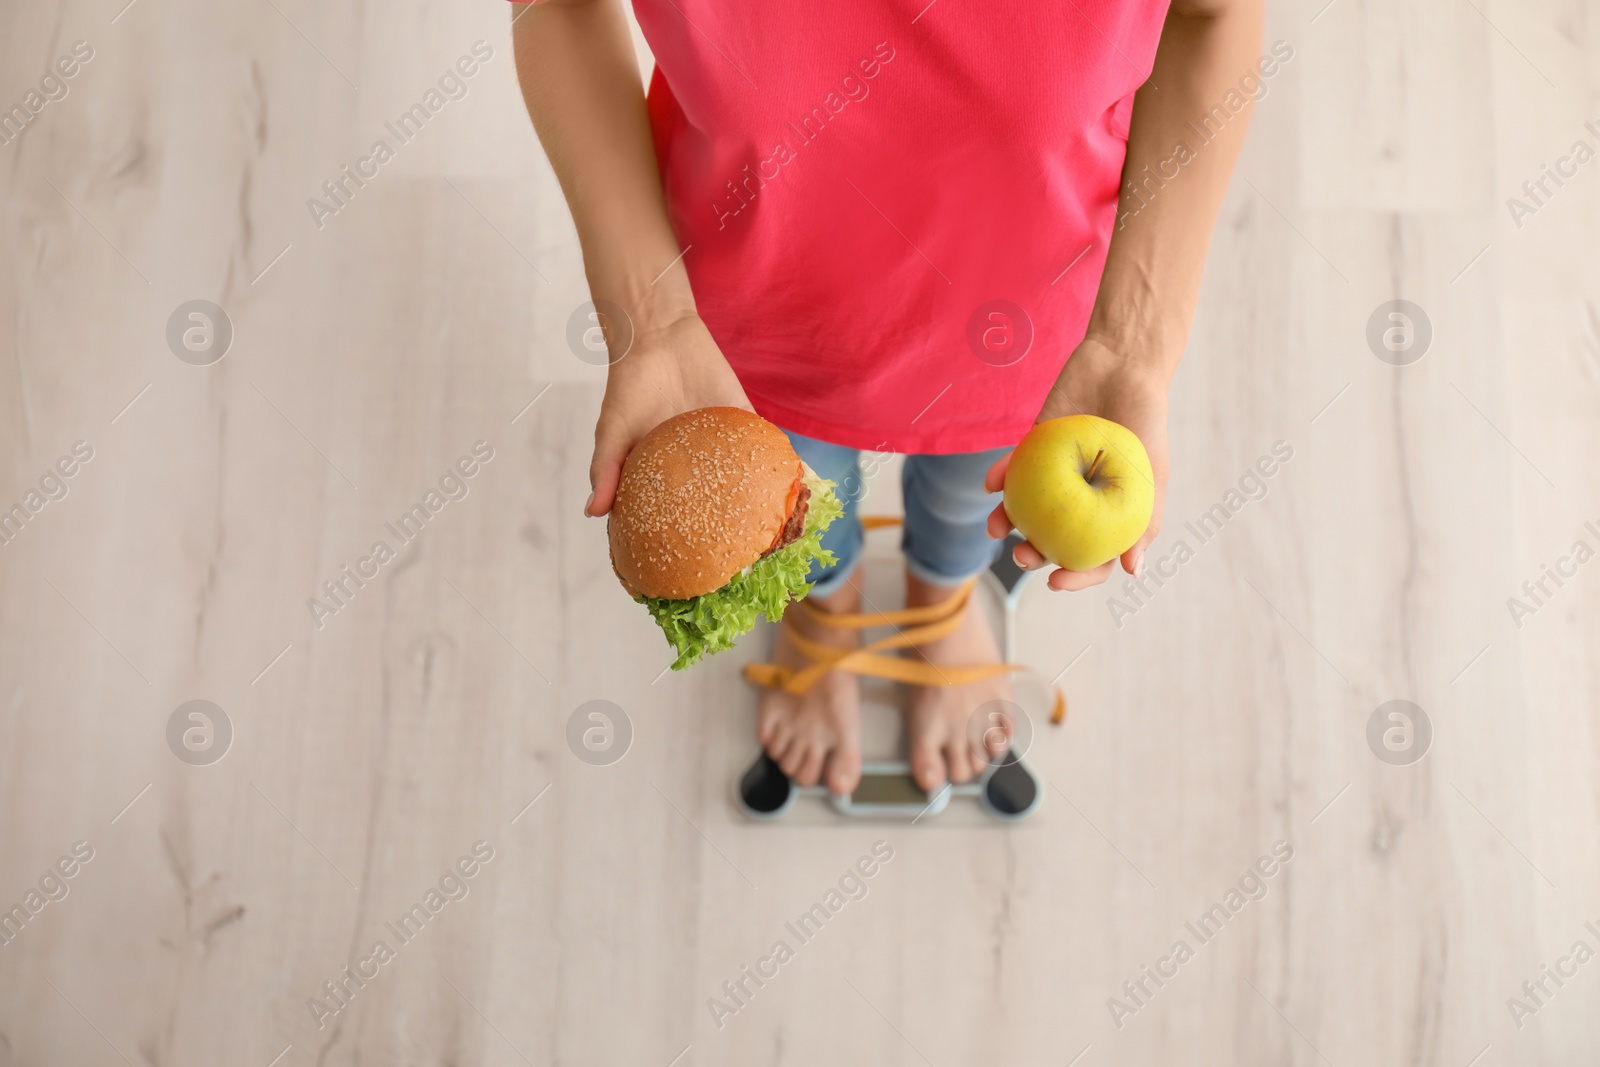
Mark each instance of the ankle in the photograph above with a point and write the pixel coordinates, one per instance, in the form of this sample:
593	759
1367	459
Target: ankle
846	600
921	594
809	617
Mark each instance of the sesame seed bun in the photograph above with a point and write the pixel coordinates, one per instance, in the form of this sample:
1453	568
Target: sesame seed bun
702	496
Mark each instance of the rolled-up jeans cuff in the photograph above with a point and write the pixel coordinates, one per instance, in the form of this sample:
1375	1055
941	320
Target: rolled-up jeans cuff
836	577
923	574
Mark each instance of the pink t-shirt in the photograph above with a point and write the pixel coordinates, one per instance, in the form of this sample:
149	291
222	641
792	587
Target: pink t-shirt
896	216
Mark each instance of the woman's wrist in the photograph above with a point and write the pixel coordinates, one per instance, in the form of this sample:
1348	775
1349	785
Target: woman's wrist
653	301
655	323
1097	373
1151	353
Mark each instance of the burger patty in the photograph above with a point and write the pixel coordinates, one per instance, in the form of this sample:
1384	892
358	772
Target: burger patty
796	524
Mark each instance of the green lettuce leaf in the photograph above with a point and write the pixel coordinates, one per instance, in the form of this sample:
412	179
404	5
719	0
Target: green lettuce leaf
711	623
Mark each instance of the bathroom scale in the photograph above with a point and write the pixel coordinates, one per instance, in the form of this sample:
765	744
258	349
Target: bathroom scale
1006	789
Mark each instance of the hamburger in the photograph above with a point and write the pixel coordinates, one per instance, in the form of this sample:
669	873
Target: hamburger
715	521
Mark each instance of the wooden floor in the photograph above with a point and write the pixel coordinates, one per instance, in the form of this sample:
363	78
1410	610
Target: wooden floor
374	747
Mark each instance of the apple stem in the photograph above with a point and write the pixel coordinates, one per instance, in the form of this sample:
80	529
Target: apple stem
1094	467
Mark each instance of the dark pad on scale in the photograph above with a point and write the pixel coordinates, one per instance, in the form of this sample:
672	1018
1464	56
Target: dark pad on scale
764	787
1011	790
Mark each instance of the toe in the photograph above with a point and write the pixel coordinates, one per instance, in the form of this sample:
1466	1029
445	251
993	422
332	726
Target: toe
776	718
960	765
794	756
844	769
776	739
981	759
810	767
993	742
927	766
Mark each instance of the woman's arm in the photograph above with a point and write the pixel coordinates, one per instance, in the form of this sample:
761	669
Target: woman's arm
580	79
1140	323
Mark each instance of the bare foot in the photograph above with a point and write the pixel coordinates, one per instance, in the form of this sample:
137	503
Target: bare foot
821	726
947	743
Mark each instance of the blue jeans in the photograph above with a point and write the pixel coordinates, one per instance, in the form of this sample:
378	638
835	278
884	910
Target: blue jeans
944	539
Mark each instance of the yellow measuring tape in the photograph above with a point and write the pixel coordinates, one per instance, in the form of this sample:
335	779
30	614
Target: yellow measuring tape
913	627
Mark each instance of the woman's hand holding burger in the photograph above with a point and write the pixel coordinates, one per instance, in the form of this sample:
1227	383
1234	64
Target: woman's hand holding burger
580	79
671	369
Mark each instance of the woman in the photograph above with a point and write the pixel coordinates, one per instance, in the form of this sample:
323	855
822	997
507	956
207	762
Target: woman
888	227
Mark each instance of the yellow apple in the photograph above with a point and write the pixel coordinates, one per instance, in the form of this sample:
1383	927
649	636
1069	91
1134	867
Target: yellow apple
1080	489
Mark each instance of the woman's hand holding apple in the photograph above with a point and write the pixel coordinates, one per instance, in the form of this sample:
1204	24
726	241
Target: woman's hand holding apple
1096	381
